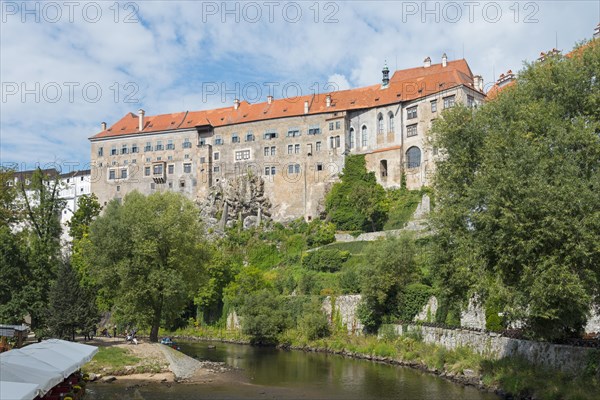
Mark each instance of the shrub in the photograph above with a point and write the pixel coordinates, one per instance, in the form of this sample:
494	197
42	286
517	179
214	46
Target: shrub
493	322
325	260
313	324
412	300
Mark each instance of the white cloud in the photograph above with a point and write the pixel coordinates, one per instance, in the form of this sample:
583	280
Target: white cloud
339	81
176	47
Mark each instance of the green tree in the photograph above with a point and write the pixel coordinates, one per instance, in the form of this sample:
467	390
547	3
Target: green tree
41	218
15	278
264	316
392	268
70	307
149	257
518	216
88	208
357	202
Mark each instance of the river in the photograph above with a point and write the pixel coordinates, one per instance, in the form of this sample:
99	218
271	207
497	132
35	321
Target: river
268	373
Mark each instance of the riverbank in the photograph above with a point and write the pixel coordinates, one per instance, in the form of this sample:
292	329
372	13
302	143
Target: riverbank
511	378
150	363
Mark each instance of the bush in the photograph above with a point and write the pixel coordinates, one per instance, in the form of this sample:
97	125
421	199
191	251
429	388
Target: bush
412	300
493	322
325	260
264	316
313	324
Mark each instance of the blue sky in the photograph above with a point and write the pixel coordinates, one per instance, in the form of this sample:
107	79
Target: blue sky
66	67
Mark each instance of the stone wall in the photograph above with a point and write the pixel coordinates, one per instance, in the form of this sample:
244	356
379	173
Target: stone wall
492	345
346	307
474	315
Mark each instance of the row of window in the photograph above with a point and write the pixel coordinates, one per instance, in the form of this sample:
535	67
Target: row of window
133	149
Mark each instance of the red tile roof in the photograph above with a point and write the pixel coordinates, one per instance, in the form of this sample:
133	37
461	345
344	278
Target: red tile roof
405	85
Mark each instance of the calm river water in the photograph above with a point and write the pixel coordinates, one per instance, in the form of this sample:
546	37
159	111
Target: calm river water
267	373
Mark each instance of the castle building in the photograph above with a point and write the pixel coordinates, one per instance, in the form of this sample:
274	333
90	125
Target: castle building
296	145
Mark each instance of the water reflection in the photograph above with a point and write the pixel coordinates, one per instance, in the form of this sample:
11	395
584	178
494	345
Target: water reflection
271	373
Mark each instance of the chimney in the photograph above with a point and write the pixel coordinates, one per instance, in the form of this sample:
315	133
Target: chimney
385	81
478	83
597	32
141	119
427	62
306	107
269	99
236	104
444	60
103	125
328	100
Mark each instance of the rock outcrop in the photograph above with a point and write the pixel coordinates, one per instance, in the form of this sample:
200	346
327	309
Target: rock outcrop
241	199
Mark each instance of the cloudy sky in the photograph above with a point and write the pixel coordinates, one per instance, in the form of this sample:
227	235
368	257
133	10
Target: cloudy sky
67	66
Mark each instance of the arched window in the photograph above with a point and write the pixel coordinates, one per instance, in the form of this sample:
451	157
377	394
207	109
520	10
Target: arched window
380	124
351	138
413	157
391	122
364	136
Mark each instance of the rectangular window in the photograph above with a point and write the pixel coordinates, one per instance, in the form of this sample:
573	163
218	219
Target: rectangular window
159	145
249	137
158	169
133	161
170	169
411	130
273	171
187	144
270	135
331	126
216	168
318	147
148	146
470	101
152	186
433	106
319	167
293	132
148	159
337	124
170	145
296	149
202	160
293	168
100	151
314	131
273	150
134	148
290	149
449	101
146	171
242	155
218	141
123	174
235	138
187	156
411	112
113	151
267	170
334	142
309	148
187	168
216	156
267	151
112	175
202	141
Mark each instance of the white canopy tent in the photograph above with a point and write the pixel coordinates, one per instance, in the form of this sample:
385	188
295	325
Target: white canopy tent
44	364
18	390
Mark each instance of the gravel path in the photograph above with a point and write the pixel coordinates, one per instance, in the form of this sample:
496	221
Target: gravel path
182	366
